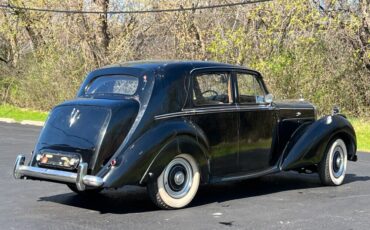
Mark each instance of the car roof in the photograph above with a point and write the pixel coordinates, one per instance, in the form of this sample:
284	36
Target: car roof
154	64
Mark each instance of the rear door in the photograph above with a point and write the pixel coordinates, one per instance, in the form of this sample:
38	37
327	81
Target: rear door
257	124
215	112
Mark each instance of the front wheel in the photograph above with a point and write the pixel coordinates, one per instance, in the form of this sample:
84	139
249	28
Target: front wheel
177	184
332	168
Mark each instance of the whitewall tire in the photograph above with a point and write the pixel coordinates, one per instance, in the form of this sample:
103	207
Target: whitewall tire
177	184
333	166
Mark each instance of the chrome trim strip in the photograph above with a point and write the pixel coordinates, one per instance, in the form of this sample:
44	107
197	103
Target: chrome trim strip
215	109
193	112
287	108
172	115
253	108
298	118
80	178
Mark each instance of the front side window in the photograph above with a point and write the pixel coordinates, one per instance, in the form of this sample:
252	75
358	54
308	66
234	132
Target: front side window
212	89
113	84
250	90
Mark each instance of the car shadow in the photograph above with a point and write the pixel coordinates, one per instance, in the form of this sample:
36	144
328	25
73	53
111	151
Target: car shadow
133	199
262	186
130	199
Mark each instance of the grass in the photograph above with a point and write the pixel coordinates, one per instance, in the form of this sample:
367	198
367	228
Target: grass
361	125
362	128
19	114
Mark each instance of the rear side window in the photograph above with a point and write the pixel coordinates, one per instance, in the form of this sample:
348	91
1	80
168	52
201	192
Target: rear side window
212	89
113	84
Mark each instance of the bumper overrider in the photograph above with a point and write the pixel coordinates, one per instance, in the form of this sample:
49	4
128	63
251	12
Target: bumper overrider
81	179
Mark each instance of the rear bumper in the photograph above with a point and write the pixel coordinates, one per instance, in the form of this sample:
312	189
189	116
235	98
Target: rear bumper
80	178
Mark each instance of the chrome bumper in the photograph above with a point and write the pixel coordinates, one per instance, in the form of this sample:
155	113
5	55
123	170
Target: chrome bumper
80	178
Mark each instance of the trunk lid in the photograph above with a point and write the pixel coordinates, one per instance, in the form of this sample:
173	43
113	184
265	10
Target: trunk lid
91	128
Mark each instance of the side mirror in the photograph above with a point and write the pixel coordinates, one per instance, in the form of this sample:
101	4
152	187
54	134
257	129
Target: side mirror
269	98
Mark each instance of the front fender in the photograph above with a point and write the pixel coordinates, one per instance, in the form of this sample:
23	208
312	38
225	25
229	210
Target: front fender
152	151
308	145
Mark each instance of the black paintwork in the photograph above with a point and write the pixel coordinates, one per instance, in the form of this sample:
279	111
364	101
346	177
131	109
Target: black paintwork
145	131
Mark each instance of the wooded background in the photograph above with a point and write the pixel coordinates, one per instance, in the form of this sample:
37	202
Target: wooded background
315	48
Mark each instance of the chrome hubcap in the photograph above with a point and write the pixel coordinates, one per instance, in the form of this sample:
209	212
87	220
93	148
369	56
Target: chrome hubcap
338	162
179	178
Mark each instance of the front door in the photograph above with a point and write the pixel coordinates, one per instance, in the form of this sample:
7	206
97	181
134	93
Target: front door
216	114
257	124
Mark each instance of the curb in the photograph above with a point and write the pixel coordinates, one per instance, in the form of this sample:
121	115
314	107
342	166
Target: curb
24	122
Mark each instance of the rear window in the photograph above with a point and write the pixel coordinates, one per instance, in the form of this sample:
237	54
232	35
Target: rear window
114	84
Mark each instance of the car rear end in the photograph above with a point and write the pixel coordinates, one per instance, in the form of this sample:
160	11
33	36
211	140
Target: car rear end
81	136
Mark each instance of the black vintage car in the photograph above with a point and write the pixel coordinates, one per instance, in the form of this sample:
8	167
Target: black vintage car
173	125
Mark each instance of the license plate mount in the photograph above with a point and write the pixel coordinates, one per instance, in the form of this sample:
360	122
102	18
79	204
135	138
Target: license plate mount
69	161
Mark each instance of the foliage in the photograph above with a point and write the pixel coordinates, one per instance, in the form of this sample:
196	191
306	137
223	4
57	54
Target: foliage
362	128
18	114
302	52
317	49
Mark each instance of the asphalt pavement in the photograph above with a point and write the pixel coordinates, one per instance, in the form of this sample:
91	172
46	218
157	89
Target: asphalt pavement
282	201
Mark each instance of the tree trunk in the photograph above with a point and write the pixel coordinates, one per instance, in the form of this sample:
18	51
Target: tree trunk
365	32
103	24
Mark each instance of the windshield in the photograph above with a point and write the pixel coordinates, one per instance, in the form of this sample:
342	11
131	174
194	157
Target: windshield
113	84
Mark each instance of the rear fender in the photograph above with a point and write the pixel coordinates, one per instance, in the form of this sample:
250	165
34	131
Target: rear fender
308	145
179	145
152	151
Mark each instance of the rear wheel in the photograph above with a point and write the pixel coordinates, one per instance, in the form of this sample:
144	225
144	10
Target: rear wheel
332	168
177	184
87	192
